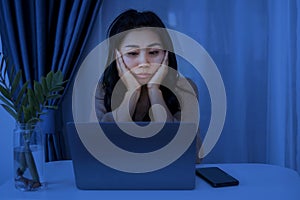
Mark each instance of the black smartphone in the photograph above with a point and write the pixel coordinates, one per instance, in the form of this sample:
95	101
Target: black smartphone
216	177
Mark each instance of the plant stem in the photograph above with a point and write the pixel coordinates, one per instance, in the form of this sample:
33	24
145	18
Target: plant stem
30	163
22	163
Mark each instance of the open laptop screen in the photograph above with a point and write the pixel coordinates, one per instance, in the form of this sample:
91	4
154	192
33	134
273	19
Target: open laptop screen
94	172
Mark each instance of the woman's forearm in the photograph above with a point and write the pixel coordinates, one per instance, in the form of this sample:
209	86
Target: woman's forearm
126	109
156	98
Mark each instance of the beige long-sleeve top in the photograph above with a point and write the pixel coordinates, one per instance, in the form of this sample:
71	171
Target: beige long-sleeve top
142	108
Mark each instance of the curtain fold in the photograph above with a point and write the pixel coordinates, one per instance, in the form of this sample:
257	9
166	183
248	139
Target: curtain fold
297	139
39	36
283	87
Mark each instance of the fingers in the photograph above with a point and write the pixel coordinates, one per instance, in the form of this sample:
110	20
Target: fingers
124	74
166	59
160	73
164	66
120	64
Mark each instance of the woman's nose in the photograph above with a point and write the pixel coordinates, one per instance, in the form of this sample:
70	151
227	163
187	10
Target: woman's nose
143	60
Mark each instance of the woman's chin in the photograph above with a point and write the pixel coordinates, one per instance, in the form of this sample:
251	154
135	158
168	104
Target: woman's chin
143	81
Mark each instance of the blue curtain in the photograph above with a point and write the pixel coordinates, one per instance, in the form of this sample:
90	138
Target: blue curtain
283	110
39	36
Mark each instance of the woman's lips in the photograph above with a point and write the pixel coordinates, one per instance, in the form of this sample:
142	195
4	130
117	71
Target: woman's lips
143	75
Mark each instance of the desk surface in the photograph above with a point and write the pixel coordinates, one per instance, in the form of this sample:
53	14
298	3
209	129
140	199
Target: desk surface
257	181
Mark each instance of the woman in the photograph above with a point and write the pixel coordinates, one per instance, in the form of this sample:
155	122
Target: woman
141	74
138	56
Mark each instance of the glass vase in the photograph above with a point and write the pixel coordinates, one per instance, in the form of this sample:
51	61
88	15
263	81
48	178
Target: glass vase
28	158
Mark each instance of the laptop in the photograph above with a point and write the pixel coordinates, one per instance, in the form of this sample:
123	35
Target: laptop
110	156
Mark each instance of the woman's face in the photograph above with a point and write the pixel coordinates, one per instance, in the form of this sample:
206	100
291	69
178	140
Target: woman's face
143	53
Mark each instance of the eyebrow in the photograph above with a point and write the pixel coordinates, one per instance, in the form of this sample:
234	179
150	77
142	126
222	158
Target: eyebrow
150	45
154	44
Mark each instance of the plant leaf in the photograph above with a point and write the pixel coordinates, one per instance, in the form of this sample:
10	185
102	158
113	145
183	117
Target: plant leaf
38	91
42	113
27	113
32	100
6	61
34	120
64	82
21	93
2	62
59	76
51	107
6	101
57	89
53	96
4	92
22	104
11	74
32	111
49	79
10	111
25	100
15	82
44	86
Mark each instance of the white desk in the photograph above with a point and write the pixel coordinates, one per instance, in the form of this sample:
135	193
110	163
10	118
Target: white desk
257	181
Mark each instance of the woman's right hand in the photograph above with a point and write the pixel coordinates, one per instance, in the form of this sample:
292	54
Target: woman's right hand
126	76
127	107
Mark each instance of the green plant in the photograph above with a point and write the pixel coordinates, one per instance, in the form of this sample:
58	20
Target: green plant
26	105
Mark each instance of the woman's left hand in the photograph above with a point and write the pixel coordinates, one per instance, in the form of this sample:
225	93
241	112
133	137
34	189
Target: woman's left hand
160	74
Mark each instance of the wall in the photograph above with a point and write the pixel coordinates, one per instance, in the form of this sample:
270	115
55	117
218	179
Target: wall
6	150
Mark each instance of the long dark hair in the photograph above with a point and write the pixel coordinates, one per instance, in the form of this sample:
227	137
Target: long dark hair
132	19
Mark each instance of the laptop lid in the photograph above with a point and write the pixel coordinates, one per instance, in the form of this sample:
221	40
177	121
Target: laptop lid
121	160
